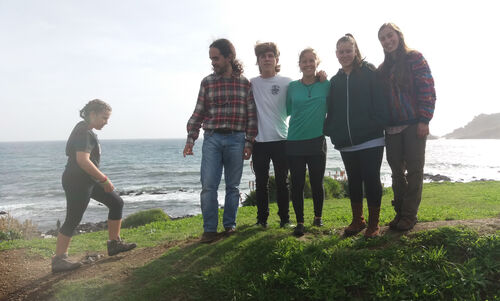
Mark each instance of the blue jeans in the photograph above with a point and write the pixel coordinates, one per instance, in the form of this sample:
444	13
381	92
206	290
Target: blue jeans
218	151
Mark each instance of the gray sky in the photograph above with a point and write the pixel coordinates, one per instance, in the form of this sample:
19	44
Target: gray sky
147	58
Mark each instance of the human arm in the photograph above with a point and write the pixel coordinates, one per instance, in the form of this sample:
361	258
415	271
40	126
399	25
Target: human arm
379	99
424	87
84	162
251	126
196	119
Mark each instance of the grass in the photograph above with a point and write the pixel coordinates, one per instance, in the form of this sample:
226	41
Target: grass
257	264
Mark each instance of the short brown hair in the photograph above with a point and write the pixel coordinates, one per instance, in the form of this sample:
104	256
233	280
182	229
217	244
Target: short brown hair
263	47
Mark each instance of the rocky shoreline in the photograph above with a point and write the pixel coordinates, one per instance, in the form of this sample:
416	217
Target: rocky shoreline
91	227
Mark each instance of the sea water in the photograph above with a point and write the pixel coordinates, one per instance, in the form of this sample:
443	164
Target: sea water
154	174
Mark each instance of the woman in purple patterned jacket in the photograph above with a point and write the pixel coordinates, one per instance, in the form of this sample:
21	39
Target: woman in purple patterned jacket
410	85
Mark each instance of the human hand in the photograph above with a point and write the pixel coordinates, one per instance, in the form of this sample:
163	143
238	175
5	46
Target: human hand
322	75
188	150
422	130
247	153
108	186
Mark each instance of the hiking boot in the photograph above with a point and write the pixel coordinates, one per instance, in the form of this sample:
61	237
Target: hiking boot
373	229
262	224
317	222
118	246
406	223
208	237
299	230
358	221
61	263
355	227
229	231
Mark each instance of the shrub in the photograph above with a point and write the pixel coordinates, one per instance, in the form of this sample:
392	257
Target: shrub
333	189
250	199
145	217
11	228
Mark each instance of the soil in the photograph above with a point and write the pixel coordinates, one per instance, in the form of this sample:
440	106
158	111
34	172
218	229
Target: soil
28	277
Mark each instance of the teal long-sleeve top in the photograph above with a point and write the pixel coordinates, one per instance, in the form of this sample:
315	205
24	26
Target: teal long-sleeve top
306	106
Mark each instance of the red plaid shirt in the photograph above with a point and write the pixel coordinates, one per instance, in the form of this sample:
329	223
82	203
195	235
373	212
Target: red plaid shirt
224	103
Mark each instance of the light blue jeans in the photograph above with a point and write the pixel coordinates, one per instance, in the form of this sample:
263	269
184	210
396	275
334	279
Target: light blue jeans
221	151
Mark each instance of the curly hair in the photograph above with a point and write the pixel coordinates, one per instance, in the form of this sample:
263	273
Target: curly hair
96	106
227	50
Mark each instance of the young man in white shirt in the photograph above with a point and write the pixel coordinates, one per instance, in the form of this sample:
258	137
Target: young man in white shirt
269	91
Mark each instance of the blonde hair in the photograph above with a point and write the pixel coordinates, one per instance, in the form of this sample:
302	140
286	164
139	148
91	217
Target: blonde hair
311	50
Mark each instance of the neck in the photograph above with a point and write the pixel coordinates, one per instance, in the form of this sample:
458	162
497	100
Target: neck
347	69
228	73
307	80
268	74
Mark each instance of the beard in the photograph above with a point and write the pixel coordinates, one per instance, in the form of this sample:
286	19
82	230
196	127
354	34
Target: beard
220	70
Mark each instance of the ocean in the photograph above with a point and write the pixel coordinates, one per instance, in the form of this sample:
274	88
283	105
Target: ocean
154	174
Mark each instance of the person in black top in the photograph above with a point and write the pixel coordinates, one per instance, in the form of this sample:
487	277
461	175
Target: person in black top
357	113
83	180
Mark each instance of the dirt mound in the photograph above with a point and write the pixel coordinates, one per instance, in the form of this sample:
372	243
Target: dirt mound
28	277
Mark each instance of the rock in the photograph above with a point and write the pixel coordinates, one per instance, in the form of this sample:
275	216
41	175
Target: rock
437	178
3	212
83	228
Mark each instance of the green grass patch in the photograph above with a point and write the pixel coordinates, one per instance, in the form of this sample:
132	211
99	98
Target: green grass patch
145	217
269	264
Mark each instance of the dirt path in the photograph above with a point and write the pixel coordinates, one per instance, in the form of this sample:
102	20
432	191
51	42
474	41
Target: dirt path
28	277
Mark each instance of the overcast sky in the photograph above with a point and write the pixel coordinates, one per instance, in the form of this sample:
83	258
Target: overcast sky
147	58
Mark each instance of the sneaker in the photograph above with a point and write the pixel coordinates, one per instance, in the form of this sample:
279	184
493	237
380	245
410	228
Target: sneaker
318	222
262	224
118	246
208	237
229	231
299	230
406	223
61	263
285	224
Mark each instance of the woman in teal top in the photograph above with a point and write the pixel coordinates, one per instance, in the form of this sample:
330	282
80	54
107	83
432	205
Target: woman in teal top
306	146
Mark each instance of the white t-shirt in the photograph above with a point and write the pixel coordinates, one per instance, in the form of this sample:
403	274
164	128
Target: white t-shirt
270	99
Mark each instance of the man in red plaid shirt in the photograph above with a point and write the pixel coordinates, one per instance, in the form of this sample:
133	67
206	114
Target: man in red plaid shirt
226	110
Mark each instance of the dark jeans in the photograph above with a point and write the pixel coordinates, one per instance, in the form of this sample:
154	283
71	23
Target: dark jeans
316	165
79	189
406	157
263	153
363	166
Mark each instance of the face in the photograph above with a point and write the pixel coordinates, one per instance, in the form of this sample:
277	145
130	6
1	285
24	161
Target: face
308	64
220	64
389	39
99	120
267	63
345	54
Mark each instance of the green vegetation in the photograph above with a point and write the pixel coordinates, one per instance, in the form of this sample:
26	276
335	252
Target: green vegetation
145	217
11	228
333	189
269	264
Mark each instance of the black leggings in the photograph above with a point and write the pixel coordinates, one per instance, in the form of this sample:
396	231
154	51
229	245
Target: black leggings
363	167
79	189
316	165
